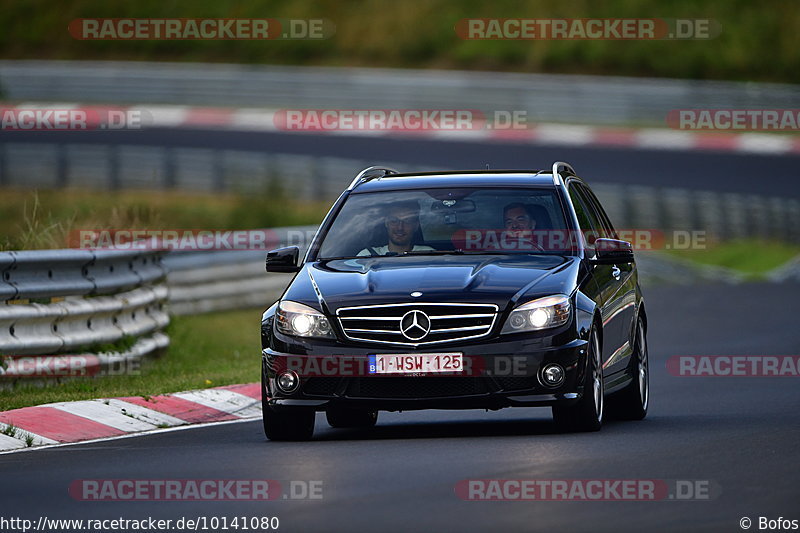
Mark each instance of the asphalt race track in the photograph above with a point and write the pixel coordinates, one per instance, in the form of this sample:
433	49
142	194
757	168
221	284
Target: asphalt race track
763	174
739	434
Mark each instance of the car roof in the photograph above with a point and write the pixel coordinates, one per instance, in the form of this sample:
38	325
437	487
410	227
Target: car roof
473	178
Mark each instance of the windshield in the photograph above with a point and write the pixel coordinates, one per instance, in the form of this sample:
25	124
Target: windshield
447	221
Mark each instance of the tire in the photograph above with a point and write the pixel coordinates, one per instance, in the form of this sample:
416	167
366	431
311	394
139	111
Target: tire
632	402
587	414
288	423
343	417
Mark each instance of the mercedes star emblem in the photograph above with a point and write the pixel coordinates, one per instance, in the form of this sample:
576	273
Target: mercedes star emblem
415	325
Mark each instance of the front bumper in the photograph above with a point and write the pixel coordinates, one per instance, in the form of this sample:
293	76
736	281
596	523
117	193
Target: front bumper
499	375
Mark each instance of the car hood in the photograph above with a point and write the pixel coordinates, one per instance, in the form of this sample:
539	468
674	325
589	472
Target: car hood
497	279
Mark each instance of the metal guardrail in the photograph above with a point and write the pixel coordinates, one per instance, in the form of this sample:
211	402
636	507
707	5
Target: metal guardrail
61	303
53	273
560	98
59	307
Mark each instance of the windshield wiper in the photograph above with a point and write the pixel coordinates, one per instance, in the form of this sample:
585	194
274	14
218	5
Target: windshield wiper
457	251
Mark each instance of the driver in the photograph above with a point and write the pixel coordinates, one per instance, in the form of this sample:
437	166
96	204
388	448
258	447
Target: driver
519	224
517	218
401	223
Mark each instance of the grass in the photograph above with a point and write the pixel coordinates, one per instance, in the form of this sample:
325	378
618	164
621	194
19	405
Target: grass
751	257
206	351
41	219
421	34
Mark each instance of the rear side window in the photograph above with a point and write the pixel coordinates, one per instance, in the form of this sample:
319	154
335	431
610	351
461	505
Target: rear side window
587	218
606	230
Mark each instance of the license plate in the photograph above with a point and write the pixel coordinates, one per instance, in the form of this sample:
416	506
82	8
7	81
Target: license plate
418	363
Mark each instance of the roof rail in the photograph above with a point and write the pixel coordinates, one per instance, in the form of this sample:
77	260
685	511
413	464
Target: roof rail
561	166
370	173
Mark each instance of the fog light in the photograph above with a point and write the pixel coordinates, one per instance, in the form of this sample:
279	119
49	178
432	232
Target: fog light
288	381
553	375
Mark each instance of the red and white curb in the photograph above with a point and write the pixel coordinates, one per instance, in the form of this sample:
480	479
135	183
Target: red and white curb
258	119
67	422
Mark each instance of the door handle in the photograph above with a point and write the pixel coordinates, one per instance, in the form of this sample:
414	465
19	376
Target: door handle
616	272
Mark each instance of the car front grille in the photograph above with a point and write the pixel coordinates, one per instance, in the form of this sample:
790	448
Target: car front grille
415	387
518	383
321	386
447	322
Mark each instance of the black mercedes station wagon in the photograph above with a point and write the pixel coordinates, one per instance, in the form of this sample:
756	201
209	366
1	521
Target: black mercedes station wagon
457	290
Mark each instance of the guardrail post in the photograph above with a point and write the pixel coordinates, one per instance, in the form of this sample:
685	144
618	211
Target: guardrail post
317	181
3	168
114	181
778	214
170	172
62	166
725	218
627	210
218	163
696	211
792	221
663	215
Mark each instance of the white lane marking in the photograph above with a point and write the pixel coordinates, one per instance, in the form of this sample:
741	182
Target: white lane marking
37	439
143	413
224	400
103	414
10	443
128	435
665	139
763	143
564	134
164	116
253	119
458	135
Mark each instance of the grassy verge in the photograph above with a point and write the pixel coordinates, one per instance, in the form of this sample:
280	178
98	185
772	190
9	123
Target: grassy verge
753	258
44	218
206	351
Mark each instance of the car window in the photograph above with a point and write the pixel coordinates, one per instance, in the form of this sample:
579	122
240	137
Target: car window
587	218
606	229
429	220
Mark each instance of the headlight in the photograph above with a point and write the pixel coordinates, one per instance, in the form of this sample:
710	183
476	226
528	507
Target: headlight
301	320
542	313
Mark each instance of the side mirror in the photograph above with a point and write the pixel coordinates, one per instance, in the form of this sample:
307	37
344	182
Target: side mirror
283	260
612	251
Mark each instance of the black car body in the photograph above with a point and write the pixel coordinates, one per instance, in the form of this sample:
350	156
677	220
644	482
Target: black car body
582	330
